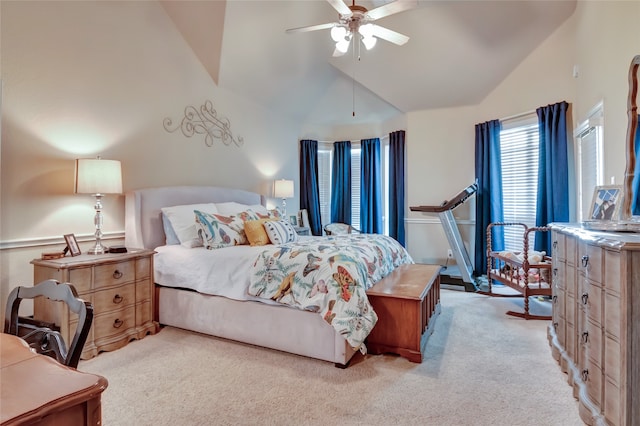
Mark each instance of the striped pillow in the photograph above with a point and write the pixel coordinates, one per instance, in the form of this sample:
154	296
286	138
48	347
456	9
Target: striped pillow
280	231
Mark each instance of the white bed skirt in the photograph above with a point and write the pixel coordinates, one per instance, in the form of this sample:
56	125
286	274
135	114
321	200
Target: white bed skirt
276	327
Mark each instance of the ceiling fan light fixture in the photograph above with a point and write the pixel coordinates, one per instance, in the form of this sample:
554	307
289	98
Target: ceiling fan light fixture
366	30
369	42
338	33
343	45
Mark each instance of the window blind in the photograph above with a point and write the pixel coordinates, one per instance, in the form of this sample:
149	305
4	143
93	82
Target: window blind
519	160
356	166
325	158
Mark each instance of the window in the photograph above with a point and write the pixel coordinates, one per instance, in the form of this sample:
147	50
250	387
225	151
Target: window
590	173
325	161
519	142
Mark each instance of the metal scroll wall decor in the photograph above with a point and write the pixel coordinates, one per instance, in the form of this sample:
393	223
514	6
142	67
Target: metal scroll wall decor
204	121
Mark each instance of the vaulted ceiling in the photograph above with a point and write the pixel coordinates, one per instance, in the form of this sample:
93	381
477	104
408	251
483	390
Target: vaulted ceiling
458	52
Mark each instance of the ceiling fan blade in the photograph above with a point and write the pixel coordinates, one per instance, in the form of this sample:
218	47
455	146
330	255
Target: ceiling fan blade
391	8
389	35
340	6
311	28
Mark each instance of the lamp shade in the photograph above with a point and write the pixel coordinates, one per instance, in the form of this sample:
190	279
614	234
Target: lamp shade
98	176
283	188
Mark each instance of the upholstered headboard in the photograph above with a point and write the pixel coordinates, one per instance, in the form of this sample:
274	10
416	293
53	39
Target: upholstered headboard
143	219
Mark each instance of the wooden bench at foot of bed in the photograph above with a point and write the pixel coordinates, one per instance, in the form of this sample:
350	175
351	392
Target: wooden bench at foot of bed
407	302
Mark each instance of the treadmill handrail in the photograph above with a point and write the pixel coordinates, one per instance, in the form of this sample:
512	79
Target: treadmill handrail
460	198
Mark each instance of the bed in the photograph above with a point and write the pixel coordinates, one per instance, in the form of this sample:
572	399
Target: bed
228	292
526	271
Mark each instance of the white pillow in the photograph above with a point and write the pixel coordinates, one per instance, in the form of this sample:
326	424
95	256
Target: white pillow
230	208
183	221
280	231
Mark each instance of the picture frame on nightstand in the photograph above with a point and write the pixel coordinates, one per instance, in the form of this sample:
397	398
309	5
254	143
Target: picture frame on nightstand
72	245
293	220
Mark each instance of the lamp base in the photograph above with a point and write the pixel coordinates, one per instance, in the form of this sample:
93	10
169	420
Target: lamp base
98	249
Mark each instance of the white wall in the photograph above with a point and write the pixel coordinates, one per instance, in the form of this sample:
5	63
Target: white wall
97	78
601	38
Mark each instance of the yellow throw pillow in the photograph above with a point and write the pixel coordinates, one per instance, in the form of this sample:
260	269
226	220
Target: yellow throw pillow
256	234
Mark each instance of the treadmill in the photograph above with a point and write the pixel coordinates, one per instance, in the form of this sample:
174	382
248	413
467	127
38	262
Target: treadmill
462	272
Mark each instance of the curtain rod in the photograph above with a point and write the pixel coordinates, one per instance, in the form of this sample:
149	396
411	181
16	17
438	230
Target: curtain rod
357	140
516	116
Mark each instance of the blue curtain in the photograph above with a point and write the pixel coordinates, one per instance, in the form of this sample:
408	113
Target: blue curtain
370	187
489	194
396	185
341	183
553	174
309	190
635	197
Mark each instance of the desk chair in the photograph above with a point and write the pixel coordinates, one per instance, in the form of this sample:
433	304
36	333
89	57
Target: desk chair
41	338
340	229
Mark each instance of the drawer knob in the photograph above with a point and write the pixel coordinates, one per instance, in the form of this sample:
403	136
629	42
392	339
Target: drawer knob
585	298
585	375
555	272
117	274
118	323
117	299
585	261
555	326
555	298
585	337
555	244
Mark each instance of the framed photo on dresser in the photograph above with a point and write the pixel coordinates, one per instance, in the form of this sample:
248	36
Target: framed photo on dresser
72	245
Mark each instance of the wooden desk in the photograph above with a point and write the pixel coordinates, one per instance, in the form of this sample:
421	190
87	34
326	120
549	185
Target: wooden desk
36	389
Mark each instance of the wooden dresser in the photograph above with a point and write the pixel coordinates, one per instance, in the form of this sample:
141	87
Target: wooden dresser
121	288
595	330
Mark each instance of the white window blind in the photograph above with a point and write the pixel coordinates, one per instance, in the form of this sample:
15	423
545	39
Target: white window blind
519	156
356	166
325	157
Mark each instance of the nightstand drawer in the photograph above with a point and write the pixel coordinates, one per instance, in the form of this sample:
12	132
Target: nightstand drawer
113	298
113	323
143	268
80	279
113	274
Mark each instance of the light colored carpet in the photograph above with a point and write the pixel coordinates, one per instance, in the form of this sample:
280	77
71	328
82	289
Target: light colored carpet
481	367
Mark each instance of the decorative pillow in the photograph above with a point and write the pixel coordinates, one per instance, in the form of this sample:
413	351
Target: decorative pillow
256	234
218	231
181	221
280	231
275	214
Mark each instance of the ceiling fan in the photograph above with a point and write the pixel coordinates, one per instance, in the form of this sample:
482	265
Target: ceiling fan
357	20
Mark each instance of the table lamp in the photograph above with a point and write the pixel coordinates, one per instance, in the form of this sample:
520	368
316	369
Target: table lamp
98	177
283	189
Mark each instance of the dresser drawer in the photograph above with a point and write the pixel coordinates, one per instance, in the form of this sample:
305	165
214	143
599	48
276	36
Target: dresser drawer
81	279
113	323
612	265
113	274
143	313
612	308
113	298
593	343
612	398
612	360
591	262
594	384
143	268
143	290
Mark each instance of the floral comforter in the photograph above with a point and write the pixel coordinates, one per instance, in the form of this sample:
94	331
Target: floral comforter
330	276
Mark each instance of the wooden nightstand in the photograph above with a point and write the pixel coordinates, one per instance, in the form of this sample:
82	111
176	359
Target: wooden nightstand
121	288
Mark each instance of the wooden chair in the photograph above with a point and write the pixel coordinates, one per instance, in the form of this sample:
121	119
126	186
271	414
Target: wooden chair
41	338
340	229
